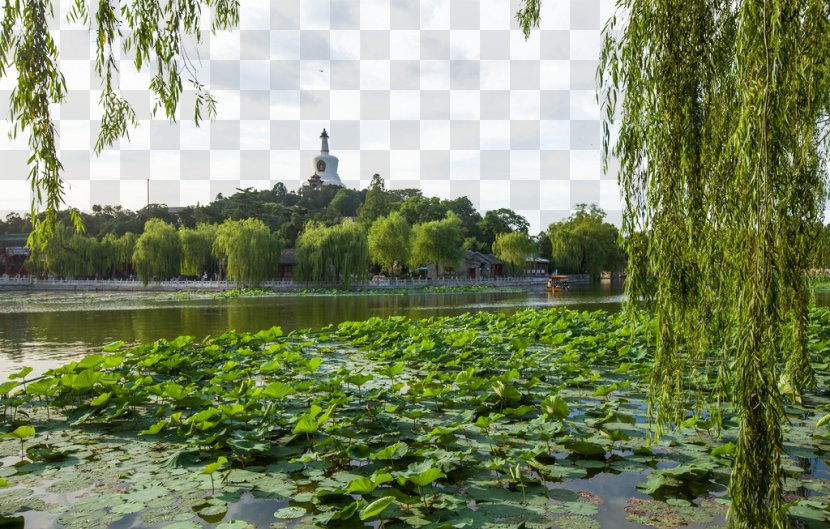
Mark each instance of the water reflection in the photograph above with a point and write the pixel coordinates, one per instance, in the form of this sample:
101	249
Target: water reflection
42	331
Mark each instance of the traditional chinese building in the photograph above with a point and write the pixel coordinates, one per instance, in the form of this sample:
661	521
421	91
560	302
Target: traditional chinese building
13	254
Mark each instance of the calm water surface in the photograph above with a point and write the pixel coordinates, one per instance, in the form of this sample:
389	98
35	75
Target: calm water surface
44	330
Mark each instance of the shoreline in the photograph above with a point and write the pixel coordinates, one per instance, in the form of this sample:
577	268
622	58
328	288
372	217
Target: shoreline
407	285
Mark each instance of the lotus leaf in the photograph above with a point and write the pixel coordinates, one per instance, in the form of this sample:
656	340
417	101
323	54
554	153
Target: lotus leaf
376	507
21	432
290	513
235	524
183	525
277	390
576	522
128	508
20	374
426	477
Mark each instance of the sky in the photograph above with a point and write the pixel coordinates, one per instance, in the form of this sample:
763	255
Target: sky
444	96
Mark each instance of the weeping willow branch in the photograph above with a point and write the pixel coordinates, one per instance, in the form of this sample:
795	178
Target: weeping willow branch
722	108
157	32
250	251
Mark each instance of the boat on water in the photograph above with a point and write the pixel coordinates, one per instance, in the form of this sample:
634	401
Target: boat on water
557	283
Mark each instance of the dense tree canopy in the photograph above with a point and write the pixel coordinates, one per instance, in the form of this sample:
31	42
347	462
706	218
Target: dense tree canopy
74	255
378	201
439	242
346	203
118	252
197	249
157	253
338	253
389	242
514	249
498	221
723	109
287	212
585	244
249	251
420	209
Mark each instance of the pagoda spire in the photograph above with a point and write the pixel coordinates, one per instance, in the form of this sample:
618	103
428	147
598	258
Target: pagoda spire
324	149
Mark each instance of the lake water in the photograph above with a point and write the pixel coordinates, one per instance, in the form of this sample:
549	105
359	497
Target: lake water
46	329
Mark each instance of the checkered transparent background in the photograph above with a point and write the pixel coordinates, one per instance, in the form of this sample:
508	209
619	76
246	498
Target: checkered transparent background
442	95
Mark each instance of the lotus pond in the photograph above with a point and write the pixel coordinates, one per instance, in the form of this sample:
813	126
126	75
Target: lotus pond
535	419
44	329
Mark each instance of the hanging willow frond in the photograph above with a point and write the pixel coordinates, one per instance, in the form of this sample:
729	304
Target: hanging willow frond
249	248
338	253
722	106
154	30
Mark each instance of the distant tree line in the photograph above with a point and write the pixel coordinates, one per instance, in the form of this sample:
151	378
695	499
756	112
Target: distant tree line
340	235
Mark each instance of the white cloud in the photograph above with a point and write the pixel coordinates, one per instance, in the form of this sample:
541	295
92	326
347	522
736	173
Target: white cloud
374	134
495	135
192	192
435	14
76	192
585	165
16	196
435	134
315	75
555	195
345	104
255	75
165	165
556	15
405	44
435	75
525	50
285	104
224	165
255	134
315	14
465	44
106	166
285	166
524	104
74	134
495	75
584	105
374	75
465	165
255	14
555	134
405	165
405	104
192	137
285	45
495	194
227	106
374	14
585	44
524	165
225	45
555	75
345	45
496	14
465	104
